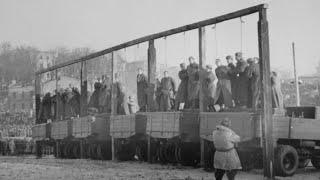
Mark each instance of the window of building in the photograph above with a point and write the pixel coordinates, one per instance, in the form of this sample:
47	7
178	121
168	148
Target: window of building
14	107
22	95
22	106
31	93
47	57
40	57
31	105
14	95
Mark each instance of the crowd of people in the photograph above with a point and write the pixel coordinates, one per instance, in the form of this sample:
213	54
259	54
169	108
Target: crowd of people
15	125
238	85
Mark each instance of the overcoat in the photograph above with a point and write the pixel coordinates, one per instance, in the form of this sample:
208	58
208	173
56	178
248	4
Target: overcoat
182	93
167	93
255	84
142	86
233	80
121	99
242	82
226	156
277	98
193	81
223	91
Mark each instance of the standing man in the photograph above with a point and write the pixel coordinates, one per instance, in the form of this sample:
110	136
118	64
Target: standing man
242	81
255	84
277	98
223	93
142	86
226	159
193	84
208	89
121	99
182	94
167	92
233	78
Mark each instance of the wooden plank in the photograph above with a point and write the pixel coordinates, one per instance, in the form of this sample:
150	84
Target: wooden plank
263	36
229	16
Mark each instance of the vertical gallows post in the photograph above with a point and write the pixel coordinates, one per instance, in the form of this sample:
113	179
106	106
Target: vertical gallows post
37	97
113	102
267	120
152	70
202	63
84	89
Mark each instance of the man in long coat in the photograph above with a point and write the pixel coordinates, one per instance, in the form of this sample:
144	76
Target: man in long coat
277	98
233	77
193	84
242	81
182	93
142	86
105	96
255	84
167	92
121	100
94	98
158	93
208	89
223	92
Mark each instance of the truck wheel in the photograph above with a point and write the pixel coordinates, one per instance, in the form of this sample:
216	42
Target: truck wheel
286	160
315	162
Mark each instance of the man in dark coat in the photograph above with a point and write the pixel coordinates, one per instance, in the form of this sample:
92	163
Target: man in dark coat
208	89
167	92
255	84
142	86
223	93
242	81
233	78
94	99
277	98
121	100
158	93
45	108
193	84
182	93
105	96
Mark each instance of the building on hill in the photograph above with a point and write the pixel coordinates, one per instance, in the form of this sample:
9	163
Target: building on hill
21	98
45	60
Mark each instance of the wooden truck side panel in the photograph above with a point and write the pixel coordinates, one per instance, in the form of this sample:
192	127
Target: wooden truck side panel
122	126
39	131
59	129
163	124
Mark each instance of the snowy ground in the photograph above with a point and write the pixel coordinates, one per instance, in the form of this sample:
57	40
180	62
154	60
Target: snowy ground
30	168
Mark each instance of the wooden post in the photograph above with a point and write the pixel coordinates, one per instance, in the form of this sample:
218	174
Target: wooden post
84	89
202	64
113	101
152	69
81	148
37	97
267	120
295	75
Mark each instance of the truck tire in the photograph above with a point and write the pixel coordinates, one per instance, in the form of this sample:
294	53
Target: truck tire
286	160
315	162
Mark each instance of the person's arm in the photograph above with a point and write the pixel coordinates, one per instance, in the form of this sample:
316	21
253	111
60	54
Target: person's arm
234	138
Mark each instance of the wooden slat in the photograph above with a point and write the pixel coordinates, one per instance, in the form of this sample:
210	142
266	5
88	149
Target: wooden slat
233	15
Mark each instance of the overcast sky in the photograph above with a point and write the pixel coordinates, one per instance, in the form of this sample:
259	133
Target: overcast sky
99	24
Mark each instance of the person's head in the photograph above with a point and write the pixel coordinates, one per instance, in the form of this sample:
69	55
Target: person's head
250	61
238	56
116	76
229	59
218	62
256	60
273	73
183	66
140	71
208	68
165	74
225	122
191	59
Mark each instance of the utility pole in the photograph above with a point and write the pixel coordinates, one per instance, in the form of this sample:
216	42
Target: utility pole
295	75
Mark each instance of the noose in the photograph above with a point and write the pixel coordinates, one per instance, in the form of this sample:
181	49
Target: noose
241	33
165	52
214	28
185	56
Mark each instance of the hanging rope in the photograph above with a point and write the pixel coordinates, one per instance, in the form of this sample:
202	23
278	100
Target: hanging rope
214	28
165	52
241	33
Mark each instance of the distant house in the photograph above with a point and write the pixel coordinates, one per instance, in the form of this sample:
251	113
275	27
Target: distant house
21	98
63	82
